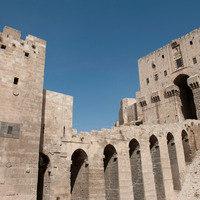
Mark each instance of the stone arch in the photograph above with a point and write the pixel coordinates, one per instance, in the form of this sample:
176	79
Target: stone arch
186	96
111	173
136	170
186	147
157	168
42	176
79	175
173	161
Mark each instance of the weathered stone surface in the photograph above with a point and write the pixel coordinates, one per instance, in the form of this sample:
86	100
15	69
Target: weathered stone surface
147	156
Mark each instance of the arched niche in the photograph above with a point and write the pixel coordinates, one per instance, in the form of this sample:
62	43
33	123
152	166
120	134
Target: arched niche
136	170
111	173
173	161
157	168
79	175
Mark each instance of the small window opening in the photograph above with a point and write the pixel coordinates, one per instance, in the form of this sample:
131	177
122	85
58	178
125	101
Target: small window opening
191	43
26	54
147	80
3	46
64	131
9	131
156	77
163	56
179	62
194	60
153	65
13	45
165	73
15	82
33	46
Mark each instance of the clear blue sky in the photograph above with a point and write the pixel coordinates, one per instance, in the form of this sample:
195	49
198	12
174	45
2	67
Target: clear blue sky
93	46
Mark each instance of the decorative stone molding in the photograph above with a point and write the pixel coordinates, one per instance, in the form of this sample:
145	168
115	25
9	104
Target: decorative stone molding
142	101
155	97
193	82
172	90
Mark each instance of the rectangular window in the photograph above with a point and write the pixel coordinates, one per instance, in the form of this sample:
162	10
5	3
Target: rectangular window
179	62
9	131
15	82
147	80
194	60
26	54
165	73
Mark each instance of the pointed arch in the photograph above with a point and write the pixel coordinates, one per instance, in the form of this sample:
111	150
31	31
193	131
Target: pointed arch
79	175
111	173
136	170
186	96
173	161
157	168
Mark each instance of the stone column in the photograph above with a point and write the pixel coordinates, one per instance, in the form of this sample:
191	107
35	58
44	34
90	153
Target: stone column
96	180
125	178
147	169
194	83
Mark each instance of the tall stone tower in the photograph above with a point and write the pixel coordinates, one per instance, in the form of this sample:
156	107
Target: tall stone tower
22	72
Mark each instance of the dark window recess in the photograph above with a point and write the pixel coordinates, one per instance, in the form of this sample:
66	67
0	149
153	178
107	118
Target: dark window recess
26	54
194	60
191	43
156	77
147	80
179	62
165	73
10	129
15	80
153	65
3	46
163	56
33	46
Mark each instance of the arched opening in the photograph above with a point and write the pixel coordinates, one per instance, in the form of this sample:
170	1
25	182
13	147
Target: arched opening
42	179
186	147
111	173
173	161
157	168
79	175
186	96
136	170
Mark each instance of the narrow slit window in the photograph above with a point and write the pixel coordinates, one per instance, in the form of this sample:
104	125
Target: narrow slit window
191	43
153	65
147	80
3	46
165	73
163	56
16	80
26	54
194	60
10	129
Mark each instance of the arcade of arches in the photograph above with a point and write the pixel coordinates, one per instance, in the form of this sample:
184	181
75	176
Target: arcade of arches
139	162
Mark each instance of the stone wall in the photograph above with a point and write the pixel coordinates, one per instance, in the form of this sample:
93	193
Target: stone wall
22	71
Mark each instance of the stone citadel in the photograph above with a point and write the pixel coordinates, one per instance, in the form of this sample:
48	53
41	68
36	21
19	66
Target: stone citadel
150	154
